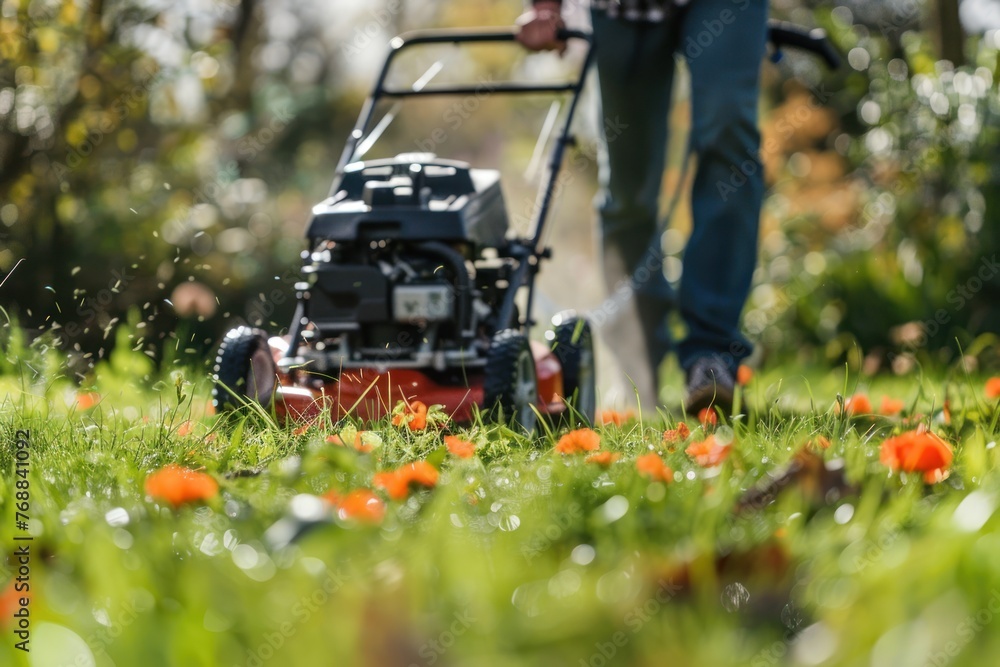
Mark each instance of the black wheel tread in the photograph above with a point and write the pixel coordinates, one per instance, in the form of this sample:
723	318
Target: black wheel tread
570	337
232	366
501	372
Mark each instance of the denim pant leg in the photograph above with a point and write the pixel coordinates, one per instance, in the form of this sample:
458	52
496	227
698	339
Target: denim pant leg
723	43
635	66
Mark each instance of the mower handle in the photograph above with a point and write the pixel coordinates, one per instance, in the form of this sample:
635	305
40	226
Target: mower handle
781	34
453	36
447	36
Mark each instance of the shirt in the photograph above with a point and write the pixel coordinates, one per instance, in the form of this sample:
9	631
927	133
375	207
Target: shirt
652	11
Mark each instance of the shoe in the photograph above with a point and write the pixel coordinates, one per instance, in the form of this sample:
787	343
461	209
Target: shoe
710	384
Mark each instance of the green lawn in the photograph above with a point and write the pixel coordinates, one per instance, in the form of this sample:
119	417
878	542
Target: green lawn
518	555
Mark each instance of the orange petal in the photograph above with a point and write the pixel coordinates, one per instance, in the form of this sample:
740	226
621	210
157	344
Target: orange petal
708	453
177	485
87	400
396	485
992	388
615	417
890	406
603	459
459	448
677	435
858	404
652	466
362	506
580	440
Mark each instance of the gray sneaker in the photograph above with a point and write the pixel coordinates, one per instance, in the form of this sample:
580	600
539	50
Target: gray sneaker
710	384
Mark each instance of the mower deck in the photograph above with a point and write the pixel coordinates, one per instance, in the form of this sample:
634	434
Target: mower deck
370	394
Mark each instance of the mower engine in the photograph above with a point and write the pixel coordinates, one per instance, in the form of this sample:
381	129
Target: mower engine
406	267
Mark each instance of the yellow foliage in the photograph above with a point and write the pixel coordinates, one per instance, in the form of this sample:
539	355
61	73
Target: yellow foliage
76	133
127	140
47	39
69	13
67	208
22	189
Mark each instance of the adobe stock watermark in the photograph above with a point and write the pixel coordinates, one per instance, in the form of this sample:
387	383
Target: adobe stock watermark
249	147
635	619
432	650
364	35
456	114
302	610
740	174
586	155
183	226
958	298
542	539
965	631
112	628
712	29
111	121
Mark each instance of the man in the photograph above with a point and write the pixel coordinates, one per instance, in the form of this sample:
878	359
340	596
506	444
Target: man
723	43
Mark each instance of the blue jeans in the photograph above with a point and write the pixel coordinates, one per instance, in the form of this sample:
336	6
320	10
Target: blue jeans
723	44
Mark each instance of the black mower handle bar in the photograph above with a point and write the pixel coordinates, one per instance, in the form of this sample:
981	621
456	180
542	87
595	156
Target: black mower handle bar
447	36
782	34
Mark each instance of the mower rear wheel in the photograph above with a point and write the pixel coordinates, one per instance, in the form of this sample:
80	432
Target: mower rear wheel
510	389
244	370
573	344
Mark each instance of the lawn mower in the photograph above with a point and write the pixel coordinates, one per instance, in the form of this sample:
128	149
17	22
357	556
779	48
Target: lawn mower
410	287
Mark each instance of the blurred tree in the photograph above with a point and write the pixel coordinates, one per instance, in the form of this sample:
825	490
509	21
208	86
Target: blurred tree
948	31
139	147
907	267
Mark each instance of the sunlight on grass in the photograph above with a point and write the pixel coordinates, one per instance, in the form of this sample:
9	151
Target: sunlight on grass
321	539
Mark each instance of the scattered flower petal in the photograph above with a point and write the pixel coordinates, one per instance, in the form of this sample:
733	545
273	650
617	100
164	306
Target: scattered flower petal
890	407
414	415
397	483
709	452
603	459
992	389
616	417
363	441
917	451
87	400
362	506
679	434
819	442
458	447
652	466
579	441
177	485
858	404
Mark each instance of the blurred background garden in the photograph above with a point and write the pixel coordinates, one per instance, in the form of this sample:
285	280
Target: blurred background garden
159	161
158	164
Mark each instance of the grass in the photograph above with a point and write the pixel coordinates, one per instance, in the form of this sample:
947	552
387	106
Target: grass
517	556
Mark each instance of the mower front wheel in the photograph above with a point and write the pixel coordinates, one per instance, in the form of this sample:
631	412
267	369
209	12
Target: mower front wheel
244	370
573	344
510	389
